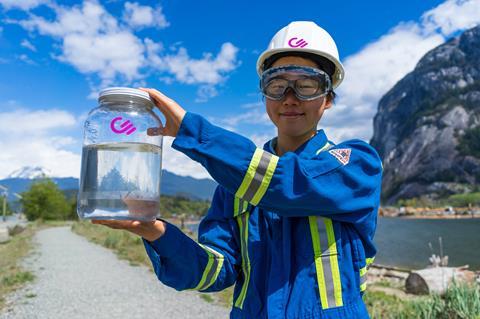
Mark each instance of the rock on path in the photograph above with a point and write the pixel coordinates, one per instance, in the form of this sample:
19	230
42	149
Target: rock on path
78	279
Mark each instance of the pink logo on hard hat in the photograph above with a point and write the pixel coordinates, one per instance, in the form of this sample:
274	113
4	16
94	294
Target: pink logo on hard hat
126	127
298	43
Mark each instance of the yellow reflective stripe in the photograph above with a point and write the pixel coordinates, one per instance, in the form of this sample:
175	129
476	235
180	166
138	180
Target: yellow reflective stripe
317	252
214	265
252	168
370	260
243	225
205	272
324	148
272	165
363	286
363	271
220	259
258	176
236	206
239	206
337	286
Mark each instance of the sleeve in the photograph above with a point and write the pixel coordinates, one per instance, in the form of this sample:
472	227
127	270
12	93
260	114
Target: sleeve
209	265
344	179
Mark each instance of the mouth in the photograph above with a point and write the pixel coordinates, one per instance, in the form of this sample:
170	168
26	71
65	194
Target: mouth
292	114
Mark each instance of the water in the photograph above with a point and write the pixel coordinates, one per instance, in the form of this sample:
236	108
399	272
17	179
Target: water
120	181
404	242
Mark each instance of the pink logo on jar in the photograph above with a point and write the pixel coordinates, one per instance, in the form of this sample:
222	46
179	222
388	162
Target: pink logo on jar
298	43
126	127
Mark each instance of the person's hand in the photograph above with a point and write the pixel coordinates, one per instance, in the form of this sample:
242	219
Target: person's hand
149	230
173	113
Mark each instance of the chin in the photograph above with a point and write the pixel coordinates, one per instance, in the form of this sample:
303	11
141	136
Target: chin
291	132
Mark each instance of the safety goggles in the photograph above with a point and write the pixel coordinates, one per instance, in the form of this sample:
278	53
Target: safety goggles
307	83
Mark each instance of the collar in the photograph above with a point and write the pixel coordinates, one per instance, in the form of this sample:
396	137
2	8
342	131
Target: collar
307	149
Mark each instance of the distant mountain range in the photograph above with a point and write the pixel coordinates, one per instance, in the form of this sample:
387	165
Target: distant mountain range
30	172
171	184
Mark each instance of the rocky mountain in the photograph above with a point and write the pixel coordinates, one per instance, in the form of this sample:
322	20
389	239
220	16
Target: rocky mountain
427	128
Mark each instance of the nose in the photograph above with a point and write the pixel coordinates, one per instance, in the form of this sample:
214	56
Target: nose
290	98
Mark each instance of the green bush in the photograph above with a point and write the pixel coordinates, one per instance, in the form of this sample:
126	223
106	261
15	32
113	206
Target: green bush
469	143
45	201
461	301
463	200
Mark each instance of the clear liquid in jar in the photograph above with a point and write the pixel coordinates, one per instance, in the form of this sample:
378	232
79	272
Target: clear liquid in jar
120	181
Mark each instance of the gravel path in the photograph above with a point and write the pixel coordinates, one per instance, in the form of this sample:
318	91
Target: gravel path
78	279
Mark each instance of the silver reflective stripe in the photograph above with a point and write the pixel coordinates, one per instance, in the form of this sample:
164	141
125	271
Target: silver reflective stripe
326	261
213	269
363	279
258	177
327	269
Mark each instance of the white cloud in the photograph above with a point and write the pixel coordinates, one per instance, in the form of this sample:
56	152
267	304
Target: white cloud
207	70
92	41
109	52
180	164
205	92
376	68
25	58
34	122
22	4
138	16
254	116
27	44
37	138
451	16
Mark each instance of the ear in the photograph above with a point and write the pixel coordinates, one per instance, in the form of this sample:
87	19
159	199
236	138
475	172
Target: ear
327	103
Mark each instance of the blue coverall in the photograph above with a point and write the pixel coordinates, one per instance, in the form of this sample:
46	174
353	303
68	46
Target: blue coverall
293	233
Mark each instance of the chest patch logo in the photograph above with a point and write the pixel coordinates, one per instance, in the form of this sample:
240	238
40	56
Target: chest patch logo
341	154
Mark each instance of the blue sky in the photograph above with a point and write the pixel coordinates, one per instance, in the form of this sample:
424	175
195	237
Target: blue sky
56	55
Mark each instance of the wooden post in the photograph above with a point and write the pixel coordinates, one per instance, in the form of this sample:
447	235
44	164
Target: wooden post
4	207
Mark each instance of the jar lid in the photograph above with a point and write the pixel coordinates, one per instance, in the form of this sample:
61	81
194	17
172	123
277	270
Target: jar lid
125	91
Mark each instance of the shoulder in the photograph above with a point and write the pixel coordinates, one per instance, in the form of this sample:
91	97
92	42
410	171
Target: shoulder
350	154
354	149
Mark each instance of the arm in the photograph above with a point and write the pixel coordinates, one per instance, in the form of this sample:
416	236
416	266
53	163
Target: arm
289	185
209	265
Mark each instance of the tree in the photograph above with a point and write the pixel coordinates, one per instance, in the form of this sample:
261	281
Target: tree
45	201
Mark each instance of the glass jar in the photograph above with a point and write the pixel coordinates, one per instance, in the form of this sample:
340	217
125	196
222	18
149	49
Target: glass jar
121	164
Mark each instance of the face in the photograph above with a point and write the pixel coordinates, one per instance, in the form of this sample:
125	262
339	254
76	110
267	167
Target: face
291	116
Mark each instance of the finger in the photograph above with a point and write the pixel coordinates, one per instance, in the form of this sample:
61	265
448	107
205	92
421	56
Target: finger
158	98
166	105
155	131
117	224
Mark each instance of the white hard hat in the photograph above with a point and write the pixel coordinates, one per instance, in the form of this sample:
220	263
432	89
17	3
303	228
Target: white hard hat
304	37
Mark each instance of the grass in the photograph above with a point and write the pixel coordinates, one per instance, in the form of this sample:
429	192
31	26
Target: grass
206	297
12	275
459	302
126	245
